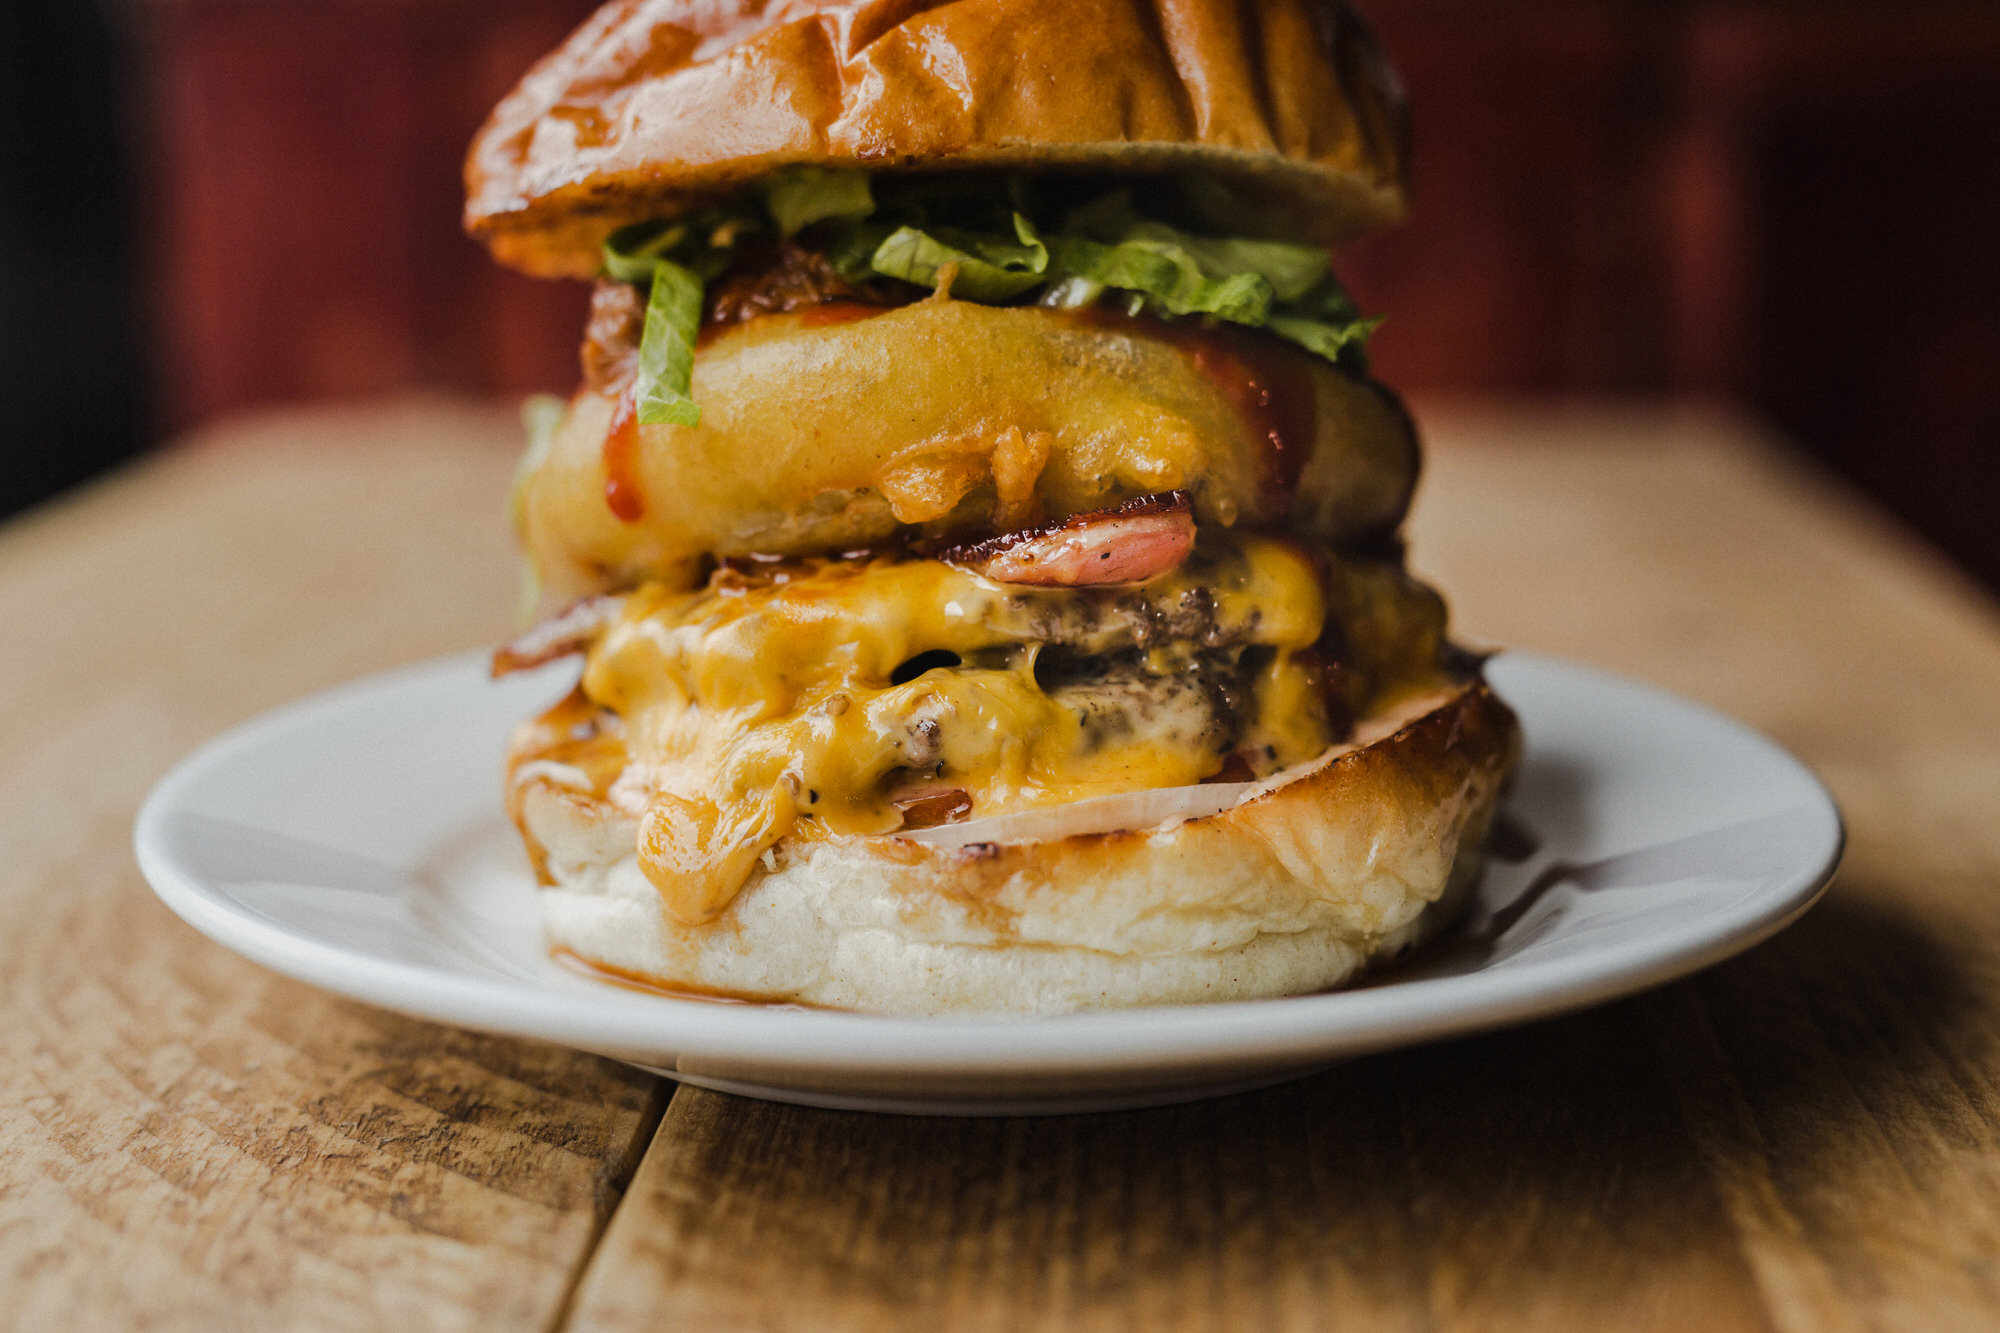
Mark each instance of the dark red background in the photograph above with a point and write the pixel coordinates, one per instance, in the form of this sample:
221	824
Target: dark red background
1793	206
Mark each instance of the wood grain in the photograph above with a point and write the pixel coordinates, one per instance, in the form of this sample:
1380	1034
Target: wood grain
1805	1138
190	1141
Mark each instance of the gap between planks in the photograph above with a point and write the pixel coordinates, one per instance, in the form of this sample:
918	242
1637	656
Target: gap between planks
644	1135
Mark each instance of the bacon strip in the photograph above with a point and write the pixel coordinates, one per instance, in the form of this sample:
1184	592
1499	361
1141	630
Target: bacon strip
569	631
767	281
1127	544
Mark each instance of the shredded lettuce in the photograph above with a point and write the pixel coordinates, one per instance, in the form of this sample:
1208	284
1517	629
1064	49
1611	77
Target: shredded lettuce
1326	322
1168	273
992	232
1336	341
990	270
1279	285
798	198
1291	269
629	256
674	262
666	348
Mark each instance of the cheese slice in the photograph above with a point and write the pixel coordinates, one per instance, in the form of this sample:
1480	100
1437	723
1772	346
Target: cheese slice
808	699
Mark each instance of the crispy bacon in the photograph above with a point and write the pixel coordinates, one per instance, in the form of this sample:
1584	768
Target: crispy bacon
569	631
766	279
791	277
611	340
1129	543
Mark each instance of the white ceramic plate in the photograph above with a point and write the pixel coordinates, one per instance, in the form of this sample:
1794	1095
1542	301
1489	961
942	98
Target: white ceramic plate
355	840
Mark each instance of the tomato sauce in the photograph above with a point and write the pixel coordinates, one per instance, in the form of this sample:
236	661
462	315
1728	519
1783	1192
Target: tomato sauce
621	462
618	976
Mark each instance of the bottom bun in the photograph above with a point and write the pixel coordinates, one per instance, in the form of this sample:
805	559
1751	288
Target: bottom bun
1315	873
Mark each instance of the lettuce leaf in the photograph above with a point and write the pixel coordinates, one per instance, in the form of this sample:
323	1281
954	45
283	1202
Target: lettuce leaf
1170	274
909	228
798	198
666	347
990	270
1326	322
1209	275
630	253
1337	342
1291	270
675	261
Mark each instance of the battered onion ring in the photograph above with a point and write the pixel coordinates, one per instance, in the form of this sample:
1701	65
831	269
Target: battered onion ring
935	418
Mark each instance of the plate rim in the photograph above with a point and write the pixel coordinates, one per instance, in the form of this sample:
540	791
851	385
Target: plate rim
1295	1029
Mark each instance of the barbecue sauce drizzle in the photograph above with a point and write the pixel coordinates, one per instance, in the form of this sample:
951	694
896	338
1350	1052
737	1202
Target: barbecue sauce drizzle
1273	389
621	462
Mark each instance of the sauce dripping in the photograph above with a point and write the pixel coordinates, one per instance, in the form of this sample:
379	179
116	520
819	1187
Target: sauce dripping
1270	382
645	985
1273	390
621	461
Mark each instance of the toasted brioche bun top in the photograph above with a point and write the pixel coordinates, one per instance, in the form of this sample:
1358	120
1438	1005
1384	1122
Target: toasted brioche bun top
656	106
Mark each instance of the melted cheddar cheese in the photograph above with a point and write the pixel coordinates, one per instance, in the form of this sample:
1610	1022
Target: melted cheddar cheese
811	700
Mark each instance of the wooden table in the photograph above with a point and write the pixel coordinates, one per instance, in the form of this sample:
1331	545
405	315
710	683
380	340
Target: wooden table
1806	1138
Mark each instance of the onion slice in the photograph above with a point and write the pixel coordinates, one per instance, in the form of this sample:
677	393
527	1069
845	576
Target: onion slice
1099	814
1164	806
572	630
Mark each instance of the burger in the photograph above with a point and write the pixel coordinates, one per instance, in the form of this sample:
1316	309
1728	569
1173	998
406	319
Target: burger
976	521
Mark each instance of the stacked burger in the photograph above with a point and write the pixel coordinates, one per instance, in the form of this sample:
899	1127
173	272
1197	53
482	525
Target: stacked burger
976	520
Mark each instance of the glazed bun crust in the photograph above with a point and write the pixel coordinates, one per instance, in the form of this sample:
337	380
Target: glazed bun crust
1347	860
655	106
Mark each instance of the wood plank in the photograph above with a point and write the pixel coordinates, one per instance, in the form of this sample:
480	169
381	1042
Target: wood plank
190	1141
1805	1138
